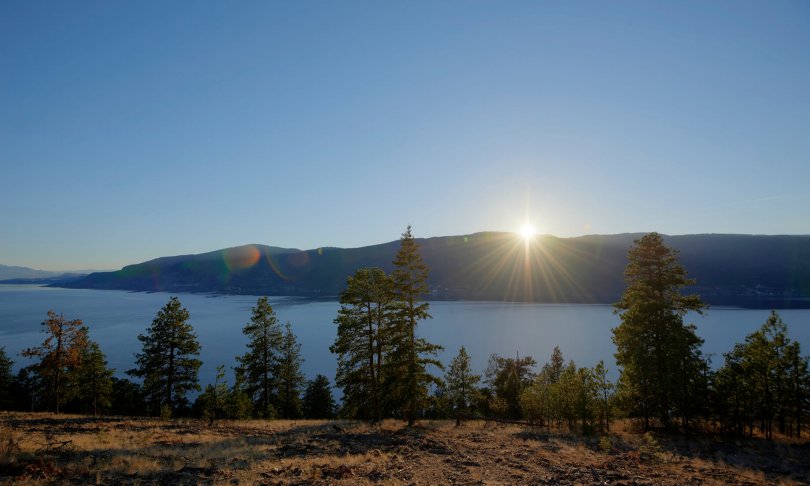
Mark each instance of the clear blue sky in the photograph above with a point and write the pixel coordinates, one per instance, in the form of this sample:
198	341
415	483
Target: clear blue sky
133	130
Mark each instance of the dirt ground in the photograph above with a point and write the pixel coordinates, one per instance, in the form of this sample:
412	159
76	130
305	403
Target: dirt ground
48	449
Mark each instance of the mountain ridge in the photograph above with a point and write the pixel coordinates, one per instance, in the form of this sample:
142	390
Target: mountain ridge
760	271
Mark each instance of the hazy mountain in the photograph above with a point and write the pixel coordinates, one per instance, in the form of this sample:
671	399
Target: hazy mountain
745	270
25	275
9	272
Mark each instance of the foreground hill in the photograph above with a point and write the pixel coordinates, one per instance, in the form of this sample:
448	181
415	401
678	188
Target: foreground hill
743	270
46	449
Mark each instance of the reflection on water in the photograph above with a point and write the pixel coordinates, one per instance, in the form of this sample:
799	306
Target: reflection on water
582	332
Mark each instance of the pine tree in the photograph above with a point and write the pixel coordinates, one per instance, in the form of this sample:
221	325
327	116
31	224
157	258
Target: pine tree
604	390
238	405
406	364
210	403
659	356
556	365
461	383
797	396
763	381
539	400
509	377
256	369
95	379
27	389
127	398
565	393
318	400
731	399
219	401
363	321
167	362
289	376
60	354
6	380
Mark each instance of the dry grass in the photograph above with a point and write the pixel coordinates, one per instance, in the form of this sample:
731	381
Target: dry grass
46	449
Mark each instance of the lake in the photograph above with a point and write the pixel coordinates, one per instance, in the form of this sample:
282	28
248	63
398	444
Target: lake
582	332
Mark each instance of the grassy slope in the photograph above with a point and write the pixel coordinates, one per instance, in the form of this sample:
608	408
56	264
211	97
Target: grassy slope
142	451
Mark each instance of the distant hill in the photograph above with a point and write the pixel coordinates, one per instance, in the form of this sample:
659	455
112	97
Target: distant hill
740	270
25	275
9	272
56	281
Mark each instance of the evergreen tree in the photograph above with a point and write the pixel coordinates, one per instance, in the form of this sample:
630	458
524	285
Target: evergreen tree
730	398
509	377
535	400
218	401
60	354
763	382
604	389
586	405
555	366
574	396
210	404
565	394
238	405
438	404
256	369
94	380
167	362
127	398
461	383
539	400
27	389
659	357
363	320
289	376
318	400
797	396
6	380
406	363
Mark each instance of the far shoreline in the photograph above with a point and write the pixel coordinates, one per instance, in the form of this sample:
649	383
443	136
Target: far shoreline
741	302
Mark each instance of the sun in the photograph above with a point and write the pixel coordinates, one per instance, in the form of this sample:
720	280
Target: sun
527	231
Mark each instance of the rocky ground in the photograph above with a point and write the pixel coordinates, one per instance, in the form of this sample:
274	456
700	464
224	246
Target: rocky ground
47	449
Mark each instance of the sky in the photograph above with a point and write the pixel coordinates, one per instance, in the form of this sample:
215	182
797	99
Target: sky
133	130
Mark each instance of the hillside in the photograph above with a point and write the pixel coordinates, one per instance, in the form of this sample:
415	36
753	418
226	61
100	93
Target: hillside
741	270
46	449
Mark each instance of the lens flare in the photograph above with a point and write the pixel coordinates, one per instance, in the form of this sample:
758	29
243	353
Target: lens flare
241	257
274	267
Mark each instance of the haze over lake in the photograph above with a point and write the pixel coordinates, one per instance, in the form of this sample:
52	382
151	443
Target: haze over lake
583	332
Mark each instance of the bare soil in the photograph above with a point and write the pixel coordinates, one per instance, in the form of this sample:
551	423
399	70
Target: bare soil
48	449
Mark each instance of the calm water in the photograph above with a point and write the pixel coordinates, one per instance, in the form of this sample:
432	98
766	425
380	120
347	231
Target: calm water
115	319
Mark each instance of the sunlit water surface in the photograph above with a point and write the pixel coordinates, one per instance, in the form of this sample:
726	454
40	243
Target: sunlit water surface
583	332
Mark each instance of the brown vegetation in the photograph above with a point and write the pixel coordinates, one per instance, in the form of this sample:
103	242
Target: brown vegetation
50	449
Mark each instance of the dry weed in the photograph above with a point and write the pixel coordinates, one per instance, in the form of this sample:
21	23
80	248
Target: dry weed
114	450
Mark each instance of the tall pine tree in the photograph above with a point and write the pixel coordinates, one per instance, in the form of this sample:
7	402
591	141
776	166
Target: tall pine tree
256	369
363	321
661	365
167	362
406	364
289	377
